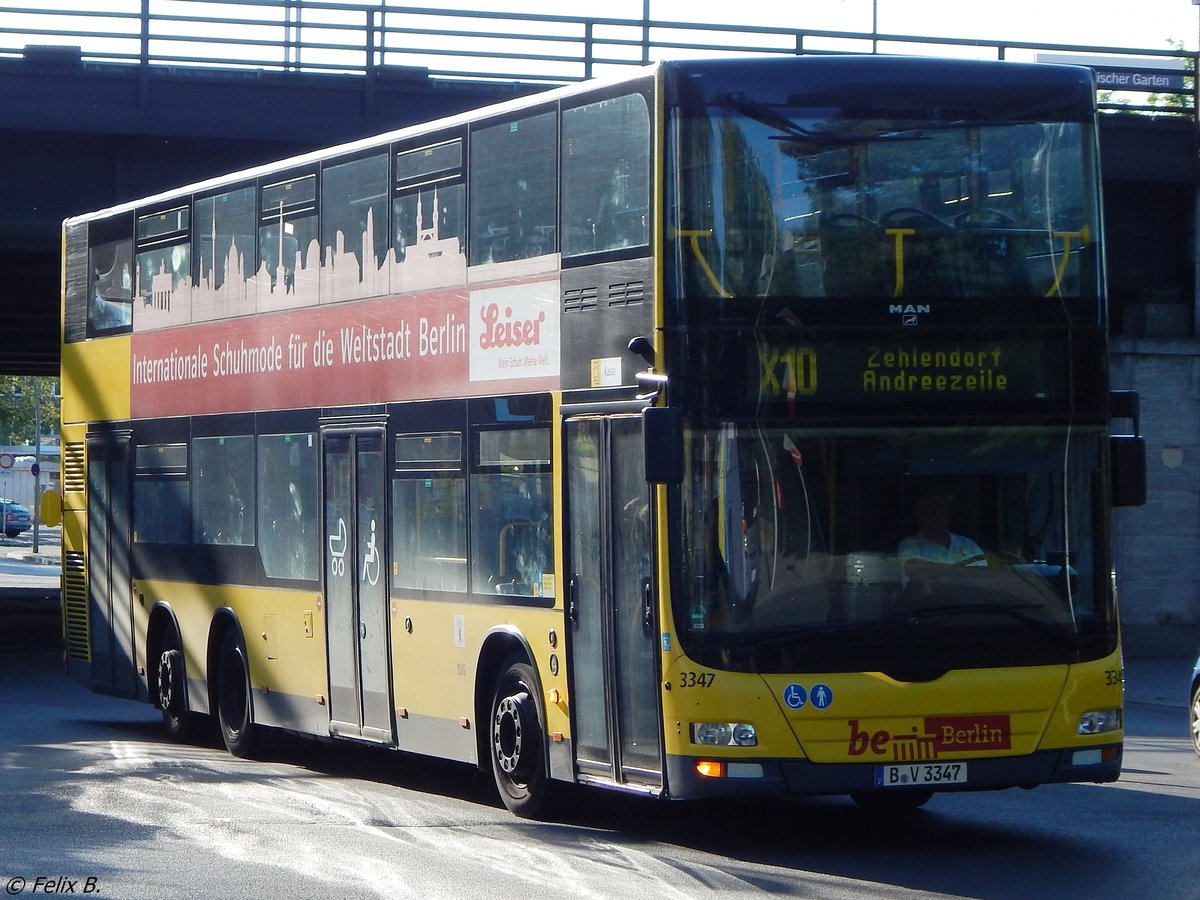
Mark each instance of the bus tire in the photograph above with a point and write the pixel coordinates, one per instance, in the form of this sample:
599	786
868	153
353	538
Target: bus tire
517	741
233	698
180	722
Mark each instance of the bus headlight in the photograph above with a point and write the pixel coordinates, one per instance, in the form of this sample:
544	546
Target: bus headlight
724	734
1099	721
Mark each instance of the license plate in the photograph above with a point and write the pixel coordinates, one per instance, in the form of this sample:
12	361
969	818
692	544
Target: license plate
918	774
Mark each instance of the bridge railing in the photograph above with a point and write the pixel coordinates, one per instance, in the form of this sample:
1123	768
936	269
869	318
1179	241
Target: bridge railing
373	37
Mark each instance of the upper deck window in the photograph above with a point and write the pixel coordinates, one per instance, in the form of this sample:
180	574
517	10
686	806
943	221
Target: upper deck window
778	200
429	213
606	176
223	249
164	265
287	238
513	187
110	277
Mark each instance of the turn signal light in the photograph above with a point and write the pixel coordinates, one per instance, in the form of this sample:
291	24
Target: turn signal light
710	768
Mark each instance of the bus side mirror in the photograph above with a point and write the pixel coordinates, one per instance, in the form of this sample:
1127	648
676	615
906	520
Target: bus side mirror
1127	452
662	433
1128	456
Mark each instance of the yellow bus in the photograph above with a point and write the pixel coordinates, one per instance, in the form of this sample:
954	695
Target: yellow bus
735	427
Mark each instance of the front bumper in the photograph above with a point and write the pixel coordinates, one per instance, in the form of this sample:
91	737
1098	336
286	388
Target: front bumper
801	777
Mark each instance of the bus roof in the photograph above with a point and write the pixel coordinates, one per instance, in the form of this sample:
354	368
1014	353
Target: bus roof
314	156
877	80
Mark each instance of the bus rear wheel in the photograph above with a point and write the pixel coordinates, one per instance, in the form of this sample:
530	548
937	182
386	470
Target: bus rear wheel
518	741
233	699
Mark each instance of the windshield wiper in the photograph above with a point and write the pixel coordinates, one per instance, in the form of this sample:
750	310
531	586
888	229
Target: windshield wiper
778	639
793	635
1008	610
760	112
792	131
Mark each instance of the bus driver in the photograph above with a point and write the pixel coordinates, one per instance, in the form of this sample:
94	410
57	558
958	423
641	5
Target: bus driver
934	541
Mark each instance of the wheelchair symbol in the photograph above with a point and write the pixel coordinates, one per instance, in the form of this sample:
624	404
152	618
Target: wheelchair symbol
794	696
370	569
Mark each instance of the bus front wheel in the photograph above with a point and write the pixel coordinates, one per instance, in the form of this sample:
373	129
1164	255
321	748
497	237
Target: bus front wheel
233	699
518	741
179	721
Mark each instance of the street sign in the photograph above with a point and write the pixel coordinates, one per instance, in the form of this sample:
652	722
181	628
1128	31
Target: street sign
1128	73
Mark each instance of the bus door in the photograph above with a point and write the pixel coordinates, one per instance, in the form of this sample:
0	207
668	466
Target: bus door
356	583
109	579
614	648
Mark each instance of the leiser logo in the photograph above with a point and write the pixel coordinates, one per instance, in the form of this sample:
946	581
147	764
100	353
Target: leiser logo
514	332
935	736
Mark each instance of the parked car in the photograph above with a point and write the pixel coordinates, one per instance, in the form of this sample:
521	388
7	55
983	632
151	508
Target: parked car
16	518
1194	707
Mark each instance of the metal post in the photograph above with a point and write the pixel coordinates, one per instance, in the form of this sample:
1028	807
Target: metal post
144	42
588	49
1196	74
37	459
645	32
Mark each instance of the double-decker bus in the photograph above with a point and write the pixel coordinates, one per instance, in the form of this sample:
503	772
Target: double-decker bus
737	427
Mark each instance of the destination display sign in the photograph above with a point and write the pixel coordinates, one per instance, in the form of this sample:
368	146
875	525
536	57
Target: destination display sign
905	370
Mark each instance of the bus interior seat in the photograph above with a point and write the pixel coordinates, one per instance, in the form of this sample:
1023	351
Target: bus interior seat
852	256
929	253
992	256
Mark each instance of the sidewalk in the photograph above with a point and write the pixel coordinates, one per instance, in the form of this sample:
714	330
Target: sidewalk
27	577
20	548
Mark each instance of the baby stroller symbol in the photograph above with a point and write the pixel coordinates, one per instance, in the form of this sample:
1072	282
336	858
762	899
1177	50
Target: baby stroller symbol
337	550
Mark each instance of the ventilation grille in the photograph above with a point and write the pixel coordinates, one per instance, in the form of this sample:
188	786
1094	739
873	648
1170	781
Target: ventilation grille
622	293
626	293
75	606
580	298
74	469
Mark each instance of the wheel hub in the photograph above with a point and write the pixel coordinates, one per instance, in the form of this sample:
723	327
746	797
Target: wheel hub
166	680
507	735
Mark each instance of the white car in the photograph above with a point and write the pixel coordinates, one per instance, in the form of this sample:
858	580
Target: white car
1194	707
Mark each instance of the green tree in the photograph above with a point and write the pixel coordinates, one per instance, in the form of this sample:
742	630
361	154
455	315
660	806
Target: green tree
17	414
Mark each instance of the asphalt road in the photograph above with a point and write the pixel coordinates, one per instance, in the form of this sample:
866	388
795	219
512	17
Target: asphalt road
92	789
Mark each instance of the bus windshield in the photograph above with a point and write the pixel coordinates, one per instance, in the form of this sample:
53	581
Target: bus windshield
906	551
781	200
